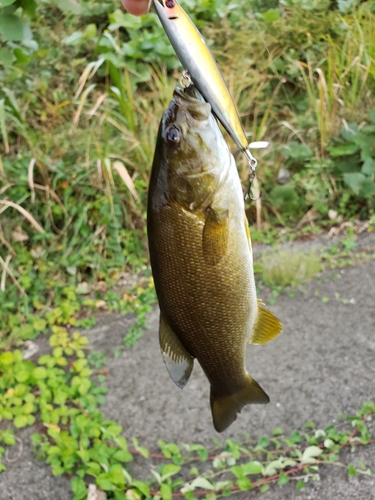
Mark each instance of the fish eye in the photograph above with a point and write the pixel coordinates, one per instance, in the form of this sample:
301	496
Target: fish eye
173	135
170	4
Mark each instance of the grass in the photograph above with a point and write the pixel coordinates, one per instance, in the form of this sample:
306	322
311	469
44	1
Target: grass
282	268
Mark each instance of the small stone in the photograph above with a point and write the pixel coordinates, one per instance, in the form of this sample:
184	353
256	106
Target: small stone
332	214
29	348
283	176
83	288
95	494
19	235
37	251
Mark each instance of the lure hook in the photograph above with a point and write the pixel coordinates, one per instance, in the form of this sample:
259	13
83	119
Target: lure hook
248	190
252	164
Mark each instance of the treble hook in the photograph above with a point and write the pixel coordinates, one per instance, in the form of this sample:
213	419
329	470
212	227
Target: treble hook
252	164
248	190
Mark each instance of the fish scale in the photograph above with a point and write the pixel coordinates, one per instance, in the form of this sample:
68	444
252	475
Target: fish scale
182	272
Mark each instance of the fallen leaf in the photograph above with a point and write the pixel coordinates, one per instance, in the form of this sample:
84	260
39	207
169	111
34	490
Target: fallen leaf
19	235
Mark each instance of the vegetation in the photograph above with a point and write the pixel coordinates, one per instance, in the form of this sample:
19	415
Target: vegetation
62	392
289	268
82	88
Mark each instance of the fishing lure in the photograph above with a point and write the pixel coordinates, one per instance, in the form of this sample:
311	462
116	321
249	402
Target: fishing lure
196	57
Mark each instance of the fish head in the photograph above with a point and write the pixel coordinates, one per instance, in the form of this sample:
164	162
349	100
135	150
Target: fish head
193	148
186	128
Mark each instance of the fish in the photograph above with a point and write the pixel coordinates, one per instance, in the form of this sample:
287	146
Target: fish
197	58
201	258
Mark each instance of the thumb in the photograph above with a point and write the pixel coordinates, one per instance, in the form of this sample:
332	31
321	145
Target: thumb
136	7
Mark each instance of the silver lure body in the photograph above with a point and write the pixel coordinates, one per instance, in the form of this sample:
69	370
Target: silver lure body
196	57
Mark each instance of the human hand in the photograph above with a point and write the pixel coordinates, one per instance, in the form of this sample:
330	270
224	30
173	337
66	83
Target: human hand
136	7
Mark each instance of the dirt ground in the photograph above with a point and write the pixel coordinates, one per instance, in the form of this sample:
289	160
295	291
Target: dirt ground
321	366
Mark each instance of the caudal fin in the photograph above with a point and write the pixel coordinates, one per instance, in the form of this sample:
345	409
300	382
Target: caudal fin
225	408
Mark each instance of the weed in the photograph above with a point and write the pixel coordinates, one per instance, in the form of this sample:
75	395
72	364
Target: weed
355	158
59	393
7	438
349	243
345	253
289	268
96	359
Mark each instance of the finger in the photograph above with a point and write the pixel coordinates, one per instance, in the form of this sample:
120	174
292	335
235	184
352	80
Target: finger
136	7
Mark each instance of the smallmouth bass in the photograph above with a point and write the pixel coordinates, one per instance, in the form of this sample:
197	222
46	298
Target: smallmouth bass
201	258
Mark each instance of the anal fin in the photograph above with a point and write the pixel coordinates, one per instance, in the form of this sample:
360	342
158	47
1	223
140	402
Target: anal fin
177	360
267	326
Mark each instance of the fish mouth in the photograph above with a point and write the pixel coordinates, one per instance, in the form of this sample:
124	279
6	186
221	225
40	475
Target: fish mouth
192	102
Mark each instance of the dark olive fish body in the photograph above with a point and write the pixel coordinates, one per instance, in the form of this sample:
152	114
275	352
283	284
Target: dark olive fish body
201	259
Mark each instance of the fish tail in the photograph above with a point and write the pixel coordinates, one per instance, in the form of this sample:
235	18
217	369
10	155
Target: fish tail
225	408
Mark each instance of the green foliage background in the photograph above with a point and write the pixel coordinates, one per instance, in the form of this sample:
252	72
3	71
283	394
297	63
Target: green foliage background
82	89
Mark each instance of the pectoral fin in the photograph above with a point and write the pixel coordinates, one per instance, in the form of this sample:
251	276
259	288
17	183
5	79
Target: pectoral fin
247	230
267	326
178	361
215	236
